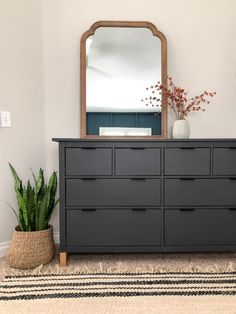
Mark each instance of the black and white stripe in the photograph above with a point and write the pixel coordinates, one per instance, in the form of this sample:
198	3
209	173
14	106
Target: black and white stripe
116	285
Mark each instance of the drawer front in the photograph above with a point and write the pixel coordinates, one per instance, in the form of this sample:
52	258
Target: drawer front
187	161
92	161
113	192
200	192
224	161
116	227
133	161
200	227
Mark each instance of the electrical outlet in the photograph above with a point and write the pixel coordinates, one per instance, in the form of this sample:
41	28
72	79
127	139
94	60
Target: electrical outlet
5	119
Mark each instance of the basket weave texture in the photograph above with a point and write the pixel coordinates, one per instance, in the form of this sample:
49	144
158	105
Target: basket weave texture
30	249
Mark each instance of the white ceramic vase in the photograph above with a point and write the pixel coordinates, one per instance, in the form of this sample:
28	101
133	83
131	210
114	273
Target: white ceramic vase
181	129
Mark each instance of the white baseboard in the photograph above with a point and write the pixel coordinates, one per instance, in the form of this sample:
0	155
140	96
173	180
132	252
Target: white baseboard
4	245
56	236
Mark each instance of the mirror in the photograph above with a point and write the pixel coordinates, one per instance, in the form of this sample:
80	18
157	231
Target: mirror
119	60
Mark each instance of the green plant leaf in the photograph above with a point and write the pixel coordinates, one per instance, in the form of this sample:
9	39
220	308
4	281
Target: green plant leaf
18	182
53	188
23	206
36	217
51	211
17	216
43	210
39	181
31	206
35	203
35	181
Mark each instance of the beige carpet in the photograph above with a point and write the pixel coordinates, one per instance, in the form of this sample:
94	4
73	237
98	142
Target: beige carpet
135	305
154	262
214	262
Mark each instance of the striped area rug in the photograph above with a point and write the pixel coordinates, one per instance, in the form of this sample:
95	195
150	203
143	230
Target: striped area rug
68	286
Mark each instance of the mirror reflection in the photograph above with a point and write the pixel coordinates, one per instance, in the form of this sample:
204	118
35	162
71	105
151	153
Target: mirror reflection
120	63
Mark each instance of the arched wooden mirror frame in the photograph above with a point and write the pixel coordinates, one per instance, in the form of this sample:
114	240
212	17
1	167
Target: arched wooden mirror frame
91	32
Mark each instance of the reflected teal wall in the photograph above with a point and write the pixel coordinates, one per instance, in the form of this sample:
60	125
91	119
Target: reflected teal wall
123	119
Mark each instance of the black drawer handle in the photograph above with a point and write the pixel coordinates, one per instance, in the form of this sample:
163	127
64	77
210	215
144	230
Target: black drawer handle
232	208
88	147
232	178
91	179
187	147
187	209
138	148
189	179
232	147
88	209
138	209
138	178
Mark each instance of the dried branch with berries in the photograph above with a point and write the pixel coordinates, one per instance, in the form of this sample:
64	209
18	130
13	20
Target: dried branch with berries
176	99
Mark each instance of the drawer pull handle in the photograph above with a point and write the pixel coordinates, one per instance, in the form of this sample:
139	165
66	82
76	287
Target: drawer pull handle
139	209
232	178
137	148
187	147
138	178
187	209
232	208
88	147
189	179
232	147
91	179
88	209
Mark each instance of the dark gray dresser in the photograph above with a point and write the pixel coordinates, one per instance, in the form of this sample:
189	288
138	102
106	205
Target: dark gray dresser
147	196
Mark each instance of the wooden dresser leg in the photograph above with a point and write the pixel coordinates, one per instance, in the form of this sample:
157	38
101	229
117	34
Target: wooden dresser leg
63	257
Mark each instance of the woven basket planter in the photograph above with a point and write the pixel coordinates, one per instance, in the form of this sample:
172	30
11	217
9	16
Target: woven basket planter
30	249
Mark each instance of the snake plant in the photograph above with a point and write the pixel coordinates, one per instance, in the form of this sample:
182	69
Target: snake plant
35	202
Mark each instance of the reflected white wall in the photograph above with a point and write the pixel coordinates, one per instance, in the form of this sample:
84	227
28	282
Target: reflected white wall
121	63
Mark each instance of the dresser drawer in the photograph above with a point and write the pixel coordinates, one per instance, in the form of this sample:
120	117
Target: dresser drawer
137	161
224	161
200	227
187	161
200	192
113	192
88	161
115	227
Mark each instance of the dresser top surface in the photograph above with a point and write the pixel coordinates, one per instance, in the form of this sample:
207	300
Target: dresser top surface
189	140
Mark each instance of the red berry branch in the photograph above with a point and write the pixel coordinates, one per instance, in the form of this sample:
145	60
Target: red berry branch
176	98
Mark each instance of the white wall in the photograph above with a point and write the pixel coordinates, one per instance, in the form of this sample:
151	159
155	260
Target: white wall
201	55
201	39
21	92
